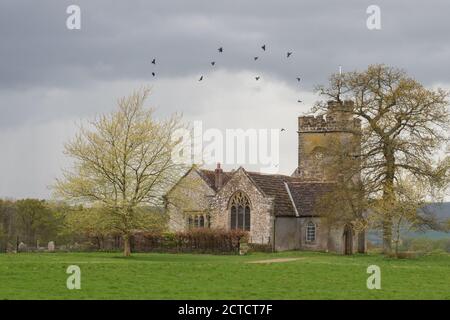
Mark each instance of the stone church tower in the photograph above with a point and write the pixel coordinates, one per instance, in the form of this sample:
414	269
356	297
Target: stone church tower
316	134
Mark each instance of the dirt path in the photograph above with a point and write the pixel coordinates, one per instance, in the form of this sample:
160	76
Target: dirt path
275	260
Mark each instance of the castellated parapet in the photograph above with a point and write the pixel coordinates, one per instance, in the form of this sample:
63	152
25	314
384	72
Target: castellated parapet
339	118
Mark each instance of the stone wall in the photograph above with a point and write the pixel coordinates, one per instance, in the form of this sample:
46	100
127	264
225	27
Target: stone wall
287	233
290	234
321	242
261	208
313	163
191	195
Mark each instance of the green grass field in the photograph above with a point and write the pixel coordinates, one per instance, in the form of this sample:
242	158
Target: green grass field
185	276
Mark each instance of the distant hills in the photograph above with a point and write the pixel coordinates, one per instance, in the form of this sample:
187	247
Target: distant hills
440	210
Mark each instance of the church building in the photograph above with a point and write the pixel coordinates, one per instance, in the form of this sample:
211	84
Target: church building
276	210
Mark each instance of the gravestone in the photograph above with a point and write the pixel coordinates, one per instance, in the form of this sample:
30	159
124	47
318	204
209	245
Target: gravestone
22	247
51	246
243	247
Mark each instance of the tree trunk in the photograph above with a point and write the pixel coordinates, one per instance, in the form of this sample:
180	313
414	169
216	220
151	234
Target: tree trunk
397	237
396	246
362	242
387	235
388	197
126	245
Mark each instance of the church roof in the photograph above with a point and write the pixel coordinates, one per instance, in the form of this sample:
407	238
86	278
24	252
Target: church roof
305	195
291	195
209	177
273	186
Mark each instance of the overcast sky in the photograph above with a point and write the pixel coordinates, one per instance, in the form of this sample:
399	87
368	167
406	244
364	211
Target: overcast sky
51	77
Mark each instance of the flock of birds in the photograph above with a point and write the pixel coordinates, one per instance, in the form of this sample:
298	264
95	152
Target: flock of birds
255	58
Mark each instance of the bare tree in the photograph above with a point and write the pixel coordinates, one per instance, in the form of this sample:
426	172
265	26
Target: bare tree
404	124
121	162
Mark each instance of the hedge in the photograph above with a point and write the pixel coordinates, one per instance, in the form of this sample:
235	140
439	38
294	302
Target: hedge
201	240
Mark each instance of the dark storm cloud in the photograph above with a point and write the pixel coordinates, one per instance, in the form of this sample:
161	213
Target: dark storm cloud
118	39
50	75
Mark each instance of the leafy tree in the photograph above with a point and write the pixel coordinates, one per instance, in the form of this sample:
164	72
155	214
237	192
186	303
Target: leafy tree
122	162
404	125
408	210
7	223
98	223
35	221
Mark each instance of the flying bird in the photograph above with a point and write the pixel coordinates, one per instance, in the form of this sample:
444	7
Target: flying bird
153	74
299	101
255	58
201	78
213	63
263	47
220	49
257	78
154	61
283	129
288	54
298	79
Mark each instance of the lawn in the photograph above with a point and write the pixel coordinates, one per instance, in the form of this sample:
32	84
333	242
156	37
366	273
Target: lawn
186	276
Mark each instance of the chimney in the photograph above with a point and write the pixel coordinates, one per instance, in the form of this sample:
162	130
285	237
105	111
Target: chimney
218	176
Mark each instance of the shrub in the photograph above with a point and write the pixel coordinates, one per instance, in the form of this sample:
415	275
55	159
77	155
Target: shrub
201	240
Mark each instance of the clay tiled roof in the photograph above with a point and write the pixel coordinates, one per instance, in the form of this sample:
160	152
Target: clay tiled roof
209	177
306	194
274	186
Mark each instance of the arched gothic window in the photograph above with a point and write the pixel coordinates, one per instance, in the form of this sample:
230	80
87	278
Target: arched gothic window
310	232
240	212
